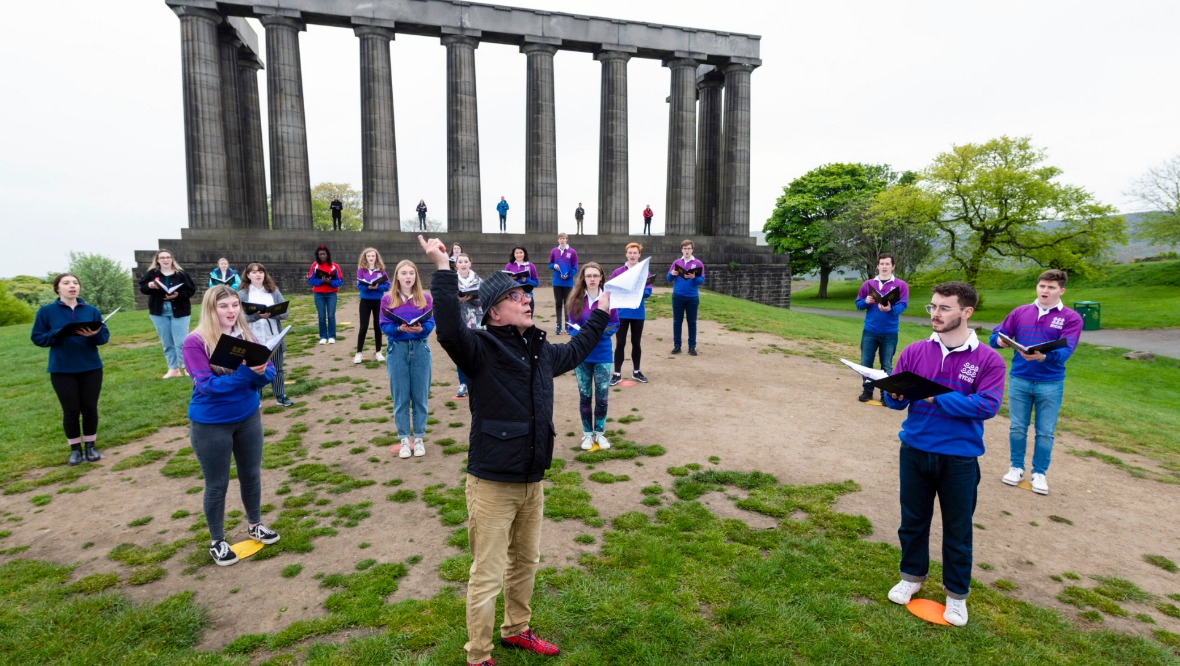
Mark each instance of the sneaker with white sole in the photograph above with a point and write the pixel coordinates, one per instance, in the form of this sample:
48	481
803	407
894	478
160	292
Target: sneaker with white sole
1039	485
587	442
380	357
419	447
323	341
222	555
262	534
358	358
331	341
601	440
639	377
462	392
405	451
903	592
1014	476
615	378
956	611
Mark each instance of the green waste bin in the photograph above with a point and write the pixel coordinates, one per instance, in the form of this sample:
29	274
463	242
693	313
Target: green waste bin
1091	312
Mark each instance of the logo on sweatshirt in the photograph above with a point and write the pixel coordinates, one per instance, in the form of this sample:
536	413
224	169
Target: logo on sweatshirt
968	373
1058	322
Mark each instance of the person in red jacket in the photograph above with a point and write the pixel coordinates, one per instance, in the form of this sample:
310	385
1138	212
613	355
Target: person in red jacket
647	215
325	278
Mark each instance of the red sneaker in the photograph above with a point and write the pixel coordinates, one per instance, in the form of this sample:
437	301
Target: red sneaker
531	642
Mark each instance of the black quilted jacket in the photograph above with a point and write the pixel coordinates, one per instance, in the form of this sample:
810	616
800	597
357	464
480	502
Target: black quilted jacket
509	383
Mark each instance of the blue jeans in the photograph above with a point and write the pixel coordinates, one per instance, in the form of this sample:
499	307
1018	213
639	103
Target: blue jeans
1024	397
872	344
214	444
325	309
955	481
407	362
172	331
684	306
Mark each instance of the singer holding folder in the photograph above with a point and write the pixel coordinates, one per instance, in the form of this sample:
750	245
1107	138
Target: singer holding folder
225	421
372	282
883	299
407	320
169	289
941	442
261	290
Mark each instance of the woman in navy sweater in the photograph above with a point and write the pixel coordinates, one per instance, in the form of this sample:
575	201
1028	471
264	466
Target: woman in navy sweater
75	370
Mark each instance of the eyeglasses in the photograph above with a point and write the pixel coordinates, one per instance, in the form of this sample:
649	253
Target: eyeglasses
518	296
942	309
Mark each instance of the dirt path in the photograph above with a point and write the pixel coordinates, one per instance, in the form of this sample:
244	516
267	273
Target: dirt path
752	406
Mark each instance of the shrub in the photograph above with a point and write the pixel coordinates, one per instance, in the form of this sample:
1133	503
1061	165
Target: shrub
12	309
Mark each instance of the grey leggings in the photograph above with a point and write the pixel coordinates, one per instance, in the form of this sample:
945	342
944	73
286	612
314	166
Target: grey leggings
214	444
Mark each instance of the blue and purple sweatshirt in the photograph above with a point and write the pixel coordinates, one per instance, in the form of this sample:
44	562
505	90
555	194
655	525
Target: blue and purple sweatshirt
513	267
683	286
221	398
563	262
69	353
1030	325
602	351
877	320
633	313
372	293
406	311
953	424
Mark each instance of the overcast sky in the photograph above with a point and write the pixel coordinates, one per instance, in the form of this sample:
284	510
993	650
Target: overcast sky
92	145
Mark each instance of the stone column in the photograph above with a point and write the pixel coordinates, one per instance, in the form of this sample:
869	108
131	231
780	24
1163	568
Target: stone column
378	143
290	178
679	211
735	193
204	135
613	175
540	164
708	185
232	126
463	193
253	158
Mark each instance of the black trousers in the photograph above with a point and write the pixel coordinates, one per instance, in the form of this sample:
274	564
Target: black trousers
78	394
561	295
370	308
636	328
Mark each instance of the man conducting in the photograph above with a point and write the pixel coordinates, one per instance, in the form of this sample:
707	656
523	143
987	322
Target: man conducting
510	368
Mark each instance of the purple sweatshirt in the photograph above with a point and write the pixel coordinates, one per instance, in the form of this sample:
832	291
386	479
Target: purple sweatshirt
368	292
876	320
602	350
684	286
953	424
1028	326
406	311
513	267
218	398
563	261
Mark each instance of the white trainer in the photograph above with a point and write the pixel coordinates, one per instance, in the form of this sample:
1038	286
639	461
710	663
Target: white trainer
331	341
323	341
1014	476
405	451
419	447
587	442
358	358
603	442
903	592
1039	485
380	357
956	611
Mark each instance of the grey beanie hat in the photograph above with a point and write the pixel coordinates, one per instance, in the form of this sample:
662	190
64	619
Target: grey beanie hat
493	288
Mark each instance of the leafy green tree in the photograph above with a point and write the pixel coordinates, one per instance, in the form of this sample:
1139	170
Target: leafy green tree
321	200
895	220
105	283
803	219
12	309
32	290
1158	191
1000	201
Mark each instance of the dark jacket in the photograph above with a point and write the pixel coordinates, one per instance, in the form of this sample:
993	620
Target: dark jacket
69	353
510	379
181	306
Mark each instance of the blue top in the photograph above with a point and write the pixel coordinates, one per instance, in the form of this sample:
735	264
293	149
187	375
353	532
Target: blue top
602	350
632	313
877	320
682	286
953	424
368	292
217	398
69	353
1028	326
502	208
406	311
563	262
235	283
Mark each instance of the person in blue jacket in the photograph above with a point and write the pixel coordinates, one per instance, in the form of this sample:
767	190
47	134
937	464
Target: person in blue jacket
225	422
75	370
502	209
686	274
223	274
594	372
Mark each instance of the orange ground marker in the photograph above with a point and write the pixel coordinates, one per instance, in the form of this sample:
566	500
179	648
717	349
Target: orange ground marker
928	610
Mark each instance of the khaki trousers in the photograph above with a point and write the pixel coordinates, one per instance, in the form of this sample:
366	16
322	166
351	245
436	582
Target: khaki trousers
504	532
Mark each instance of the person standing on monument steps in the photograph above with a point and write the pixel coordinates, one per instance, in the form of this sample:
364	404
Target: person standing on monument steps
1037	380
337	207
510	444
881	318
647	215
502	210
941	442
421	209
579	215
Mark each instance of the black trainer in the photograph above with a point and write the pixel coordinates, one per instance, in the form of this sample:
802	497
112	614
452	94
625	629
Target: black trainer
692	351
76	456
865	395
92	454
283	401
263	534
638	376
222	555
676	350
615	378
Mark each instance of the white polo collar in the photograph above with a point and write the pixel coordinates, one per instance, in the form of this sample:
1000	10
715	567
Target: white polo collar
970	345
1044	311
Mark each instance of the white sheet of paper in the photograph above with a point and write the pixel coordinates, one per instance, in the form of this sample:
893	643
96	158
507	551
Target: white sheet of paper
626	289
868	373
